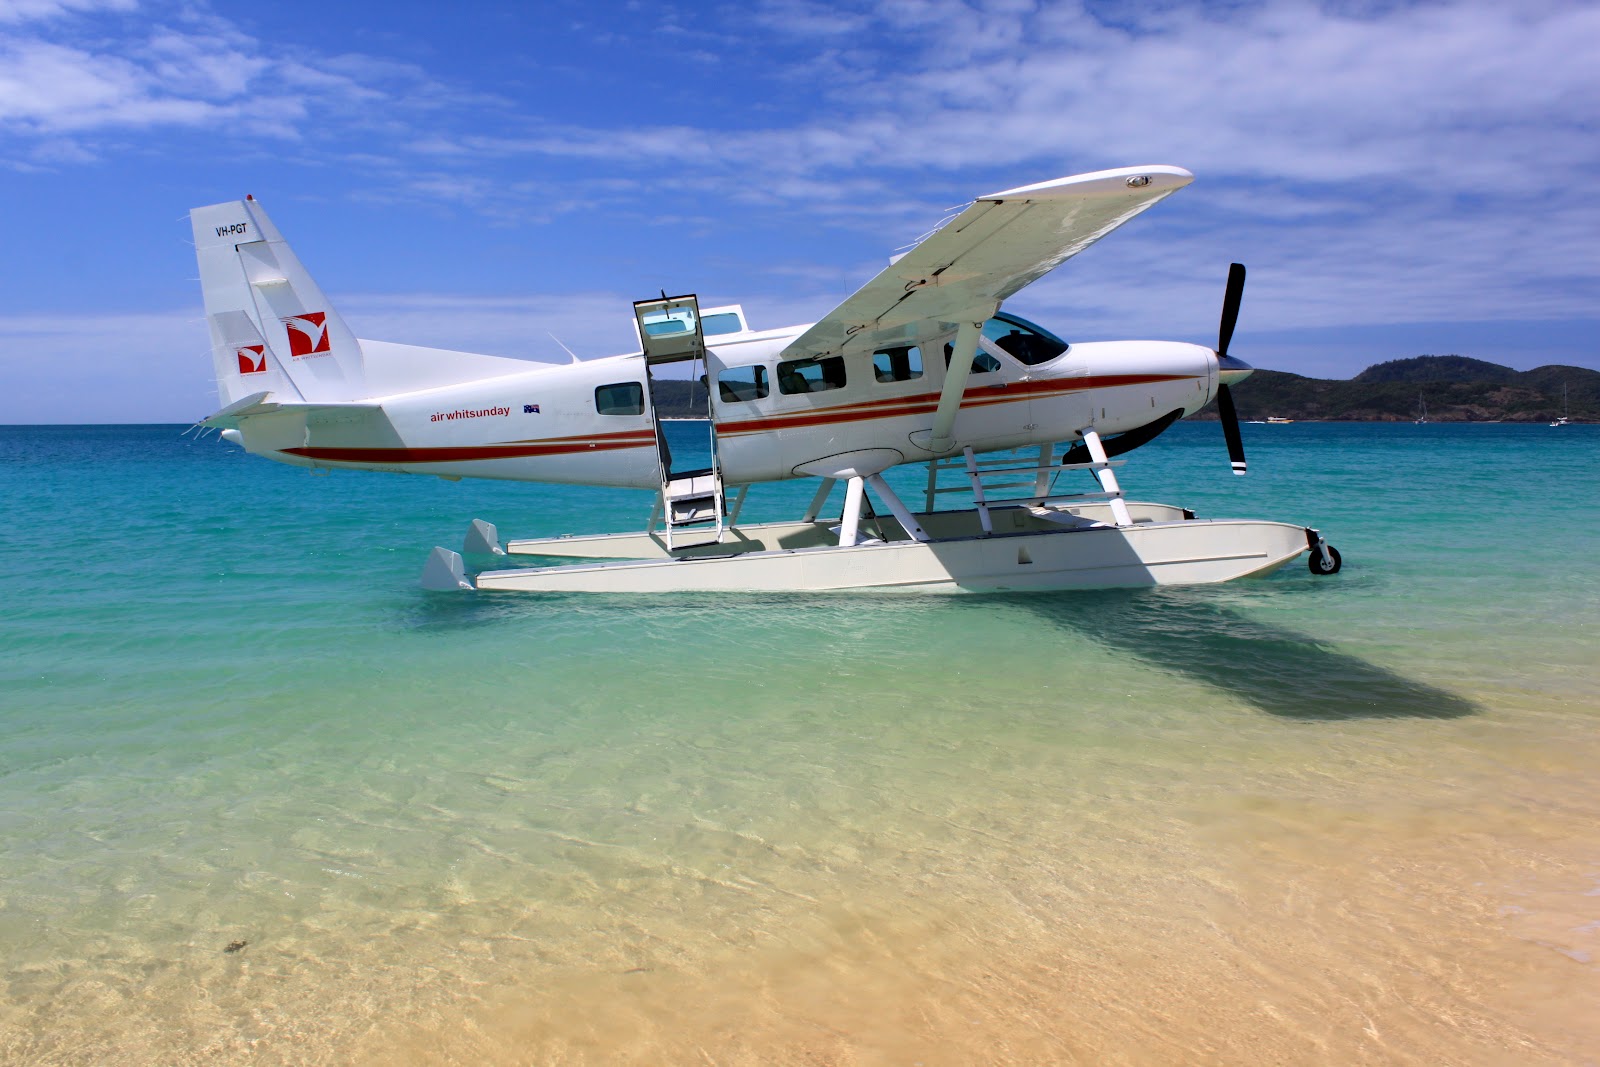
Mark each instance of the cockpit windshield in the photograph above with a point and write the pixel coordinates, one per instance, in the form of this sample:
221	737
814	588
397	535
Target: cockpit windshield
1024	341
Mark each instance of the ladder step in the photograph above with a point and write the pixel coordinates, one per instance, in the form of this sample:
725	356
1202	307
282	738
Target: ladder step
696	485
690	509
693	498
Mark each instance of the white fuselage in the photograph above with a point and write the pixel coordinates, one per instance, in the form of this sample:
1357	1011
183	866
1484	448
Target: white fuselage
551	425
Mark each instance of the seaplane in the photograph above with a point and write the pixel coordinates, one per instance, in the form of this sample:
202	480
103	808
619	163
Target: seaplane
920	366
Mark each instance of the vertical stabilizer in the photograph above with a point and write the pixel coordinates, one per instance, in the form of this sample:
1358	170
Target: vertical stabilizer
271	327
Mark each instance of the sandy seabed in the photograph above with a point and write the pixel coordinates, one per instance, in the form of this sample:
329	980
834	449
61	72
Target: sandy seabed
1299	914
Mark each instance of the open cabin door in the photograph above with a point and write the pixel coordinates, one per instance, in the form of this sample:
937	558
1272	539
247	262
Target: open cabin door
670	332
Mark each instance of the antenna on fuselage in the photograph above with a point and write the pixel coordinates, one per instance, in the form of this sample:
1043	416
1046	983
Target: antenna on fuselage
564	348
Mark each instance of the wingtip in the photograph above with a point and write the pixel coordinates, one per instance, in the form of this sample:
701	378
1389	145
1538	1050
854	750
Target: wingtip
1153	178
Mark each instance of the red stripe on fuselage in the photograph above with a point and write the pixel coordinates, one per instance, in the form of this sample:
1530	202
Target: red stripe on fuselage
923	403
552	446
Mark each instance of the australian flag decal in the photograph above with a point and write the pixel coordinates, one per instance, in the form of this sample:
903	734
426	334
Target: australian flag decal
530	409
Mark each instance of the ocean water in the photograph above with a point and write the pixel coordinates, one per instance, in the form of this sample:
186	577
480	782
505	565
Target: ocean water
1293	819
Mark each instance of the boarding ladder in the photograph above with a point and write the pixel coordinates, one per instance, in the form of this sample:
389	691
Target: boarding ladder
992	481
670	332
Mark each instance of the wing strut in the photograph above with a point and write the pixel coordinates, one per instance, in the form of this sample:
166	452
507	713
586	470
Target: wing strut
955	380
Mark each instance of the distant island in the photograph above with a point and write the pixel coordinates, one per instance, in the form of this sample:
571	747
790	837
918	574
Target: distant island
1454	388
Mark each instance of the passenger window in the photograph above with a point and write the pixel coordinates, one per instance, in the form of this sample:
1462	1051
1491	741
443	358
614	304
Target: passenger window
742	383
982	362
897	364
811	375
1024	341
625	398
720	323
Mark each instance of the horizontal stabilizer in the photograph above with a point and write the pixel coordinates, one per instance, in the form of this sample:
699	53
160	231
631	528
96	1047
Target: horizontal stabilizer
245	405
264	403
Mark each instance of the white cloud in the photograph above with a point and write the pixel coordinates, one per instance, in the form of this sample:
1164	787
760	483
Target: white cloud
65	72
1460	94
41	82
18	11
50	89
1287	90
1384	163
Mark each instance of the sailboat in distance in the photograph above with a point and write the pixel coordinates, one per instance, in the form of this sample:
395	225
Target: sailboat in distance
1562	421
1422	410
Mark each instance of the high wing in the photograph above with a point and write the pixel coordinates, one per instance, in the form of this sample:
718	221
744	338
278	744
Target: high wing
999	244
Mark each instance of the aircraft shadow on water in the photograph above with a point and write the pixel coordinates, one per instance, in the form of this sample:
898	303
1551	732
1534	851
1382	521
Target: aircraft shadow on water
1184	631
1279	670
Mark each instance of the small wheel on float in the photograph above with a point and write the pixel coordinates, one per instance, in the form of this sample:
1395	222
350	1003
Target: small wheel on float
1330	565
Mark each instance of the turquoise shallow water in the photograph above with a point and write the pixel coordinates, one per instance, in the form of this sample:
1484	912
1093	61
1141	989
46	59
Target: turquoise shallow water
1295	817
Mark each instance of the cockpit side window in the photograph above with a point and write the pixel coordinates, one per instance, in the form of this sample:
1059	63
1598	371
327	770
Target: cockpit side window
982	362
1024	341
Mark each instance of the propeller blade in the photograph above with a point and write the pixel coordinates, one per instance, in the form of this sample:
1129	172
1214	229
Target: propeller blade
1230	307
1230	425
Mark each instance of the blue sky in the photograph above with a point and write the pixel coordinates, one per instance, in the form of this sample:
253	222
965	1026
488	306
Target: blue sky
1400	178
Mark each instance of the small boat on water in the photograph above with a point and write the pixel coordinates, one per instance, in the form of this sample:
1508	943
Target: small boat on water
1562	421
1276	421
1422	410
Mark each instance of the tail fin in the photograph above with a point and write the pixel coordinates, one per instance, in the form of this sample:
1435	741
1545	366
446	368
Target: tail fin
271	327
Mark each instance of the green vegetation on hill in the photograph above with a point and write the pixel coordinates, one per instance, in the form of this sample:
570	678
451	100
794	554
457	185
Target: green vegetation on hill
1423	369
1455	389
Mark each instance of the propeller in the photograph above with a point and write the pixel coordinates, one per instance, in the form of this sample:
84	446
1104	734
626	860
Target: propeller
1225	362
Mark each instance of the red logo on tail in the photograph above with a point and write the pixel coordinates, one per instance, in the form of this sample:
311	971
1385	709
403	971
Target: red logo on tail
308	333
252	359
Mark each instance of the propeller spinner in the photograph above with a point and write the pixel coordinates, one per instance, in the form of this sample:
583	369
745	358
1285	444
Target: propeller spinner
1229	368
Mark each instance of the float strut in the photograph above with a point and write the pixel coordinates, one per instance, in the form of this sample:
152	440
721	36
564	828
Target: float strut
818	500
1108	477
901	513
850	524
